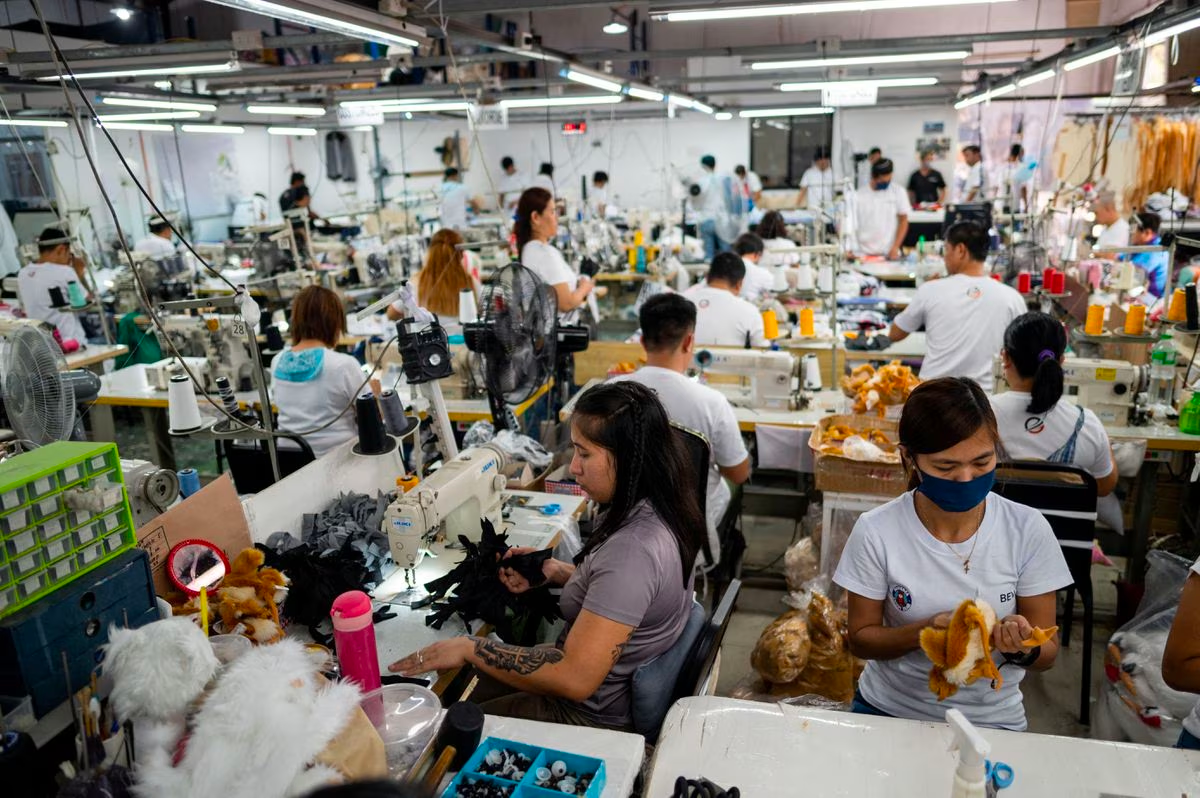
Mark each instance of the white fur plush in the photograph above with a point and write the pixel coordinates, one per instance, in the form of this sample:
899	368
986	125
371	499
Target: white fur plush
960	673
257	733
158	670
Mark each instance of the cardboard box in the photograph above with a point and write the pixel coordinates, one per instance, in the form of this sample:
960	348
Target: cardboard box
560	481
521	476
838	474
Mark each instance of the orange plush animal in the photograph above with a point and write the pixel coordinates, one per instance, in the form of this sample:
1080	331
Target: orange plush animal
962	653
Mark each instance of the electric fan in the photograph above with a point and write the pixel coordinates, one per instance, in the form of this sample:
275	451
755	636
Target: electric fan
519	340
40	396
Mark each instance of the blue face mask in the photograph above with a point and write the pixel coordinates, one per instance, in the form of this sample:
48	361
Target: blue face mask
956	497
882	185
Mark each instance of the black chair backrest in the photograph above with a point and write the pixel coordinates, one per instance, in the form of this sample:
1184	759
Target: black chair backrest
699	451
250	461
1066	497
698	666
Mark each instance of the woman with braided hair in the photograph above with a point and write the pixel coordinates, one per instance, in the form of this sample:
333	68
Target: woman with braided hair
627	596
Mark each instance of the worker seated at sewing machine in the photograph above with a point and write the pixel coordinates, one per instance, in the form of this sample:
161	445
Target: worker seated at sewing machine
630	596
668	324
158	244
723	318
439	285
315	386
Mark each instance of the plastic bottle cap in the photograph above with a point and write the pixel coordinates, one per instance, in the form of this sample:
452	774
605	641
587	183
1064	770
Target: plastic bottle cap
351	604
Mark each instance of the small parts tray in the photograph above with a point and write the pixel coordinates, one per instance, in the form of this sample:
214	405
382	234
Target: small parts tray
477	778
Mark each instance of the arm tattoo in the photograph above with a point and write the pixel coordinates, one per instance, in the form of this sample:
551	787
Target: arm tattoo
516	659
620	647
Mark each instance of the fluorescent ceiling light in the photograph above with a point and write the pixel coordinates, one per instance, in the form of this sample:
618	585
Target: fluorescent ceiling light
166	105
1037	77
723	116
588	79
558	102
284	109
834	7
235	129
879	83
370	103
363	128
147	116
138	126
1161	36
757	113
984	96
616	27
684	101
137	72
862	60
1142	101
292	131
640	93
1008	88
360	23
19	122
429	107
1094	58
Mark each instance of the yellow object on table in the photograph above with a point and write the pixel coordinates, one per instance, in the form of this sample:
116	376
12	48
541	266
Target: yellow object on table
1178	308
806	322
770	324
1095	320
1135	320
632	257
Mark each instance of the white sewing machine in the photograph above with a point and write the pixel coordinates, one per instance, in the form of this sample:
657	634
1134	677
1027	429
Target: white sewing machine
458	494
1109	388
219	339
768	379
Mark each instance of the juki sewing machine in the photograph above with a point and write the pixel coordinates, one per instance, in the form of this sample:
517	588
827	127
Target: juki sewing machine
1109	388
767	379
219	339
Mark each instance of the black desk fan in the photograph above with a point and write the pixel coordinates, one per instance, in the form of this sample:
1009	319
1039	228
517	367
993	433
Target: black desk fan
520	341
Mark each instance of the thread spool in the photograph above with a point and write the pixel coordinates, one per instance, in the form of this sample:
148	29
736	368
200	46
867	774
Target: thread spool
468	310
804	277
225	390
189	482
1047	277
807	327
1024	282
770	325
1178	309
75	294
1095	320
825	279
372	439
811	368
57	300
394	419
1193	315
1058	283
1135	320
183	411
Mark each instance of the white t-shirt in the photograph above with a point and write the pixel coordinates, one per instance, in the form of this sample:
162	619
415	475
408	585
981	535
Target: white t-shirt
710	202
1115	235
701	409
964	319
752	183
548	263
510	188
877	218
543	181
597	198
891	557
968	178
779	252
723	319
156	247
250	211
306	405
820	187
1027	436
33	286
453	205
759	282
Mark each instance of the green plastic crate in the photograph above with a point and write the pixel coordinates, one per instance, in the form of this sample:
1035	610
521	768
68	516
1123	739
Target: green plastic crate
44	542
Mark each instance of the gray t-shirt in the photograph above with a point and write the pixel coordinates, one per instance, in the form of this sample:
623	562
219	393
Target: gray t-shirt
634	578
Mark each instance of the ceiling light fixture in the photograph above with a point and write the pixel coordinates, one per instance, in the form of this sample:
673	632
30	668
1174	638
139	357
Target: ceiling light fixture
559	102
233	129
880	83
391	101
1092	58
984	96
723	116
360	23
862	60
148	116
758	113
683	101
146	126
616	26
589	79
292	131
19	122
166	105
642	93
430	107
834	7
1037	77
284	109
138	72
1158	37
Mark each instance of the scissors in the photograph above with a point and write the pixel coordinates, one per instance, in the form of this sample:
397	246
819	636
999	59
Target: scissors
999	776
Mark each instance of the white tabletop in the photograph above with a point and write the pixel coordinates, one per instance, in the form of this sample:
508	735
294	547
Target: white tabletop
768	750
95	353
911	347
885	269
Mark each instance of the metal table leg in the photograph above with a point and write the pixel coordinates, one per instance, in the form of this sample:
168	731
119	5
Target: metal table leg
1143	520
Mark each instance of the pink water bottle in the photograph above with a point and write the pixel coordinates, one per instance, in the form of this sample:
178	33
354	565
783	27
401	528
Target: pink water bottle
354	639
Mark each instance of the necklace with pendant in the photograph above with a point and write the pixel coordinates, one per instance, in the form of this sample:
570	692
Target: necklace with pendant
966	561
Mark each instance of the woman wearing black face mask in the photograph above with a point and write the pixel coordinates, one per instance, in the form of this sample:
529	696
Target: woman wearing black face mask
911	562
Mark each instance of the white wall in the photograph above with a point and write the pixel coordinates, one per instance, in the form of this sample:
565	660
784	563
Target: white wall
894	131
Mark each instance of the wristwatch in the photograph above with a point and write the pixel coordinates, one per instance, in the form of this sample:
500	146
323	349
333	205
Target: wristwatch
1023	660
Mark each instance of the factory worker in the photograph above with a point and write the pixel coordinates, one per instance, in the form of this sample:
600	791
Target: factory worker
881	214
759	282
668	323
971	182
723	318
817	184
314	385
1116	226
779	249
158	244
1154	264
249	212
708	201
926	186
598	196
512	183
453	201
628	595
10	258
293	195
535	227
908	565
1012	190
440	282
964	315
750	185
57	267
544	179
874	156
1037	422
1181	656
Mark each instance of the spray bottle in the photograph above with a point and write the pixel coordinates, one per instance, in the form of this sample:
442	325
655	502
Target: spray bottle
970	779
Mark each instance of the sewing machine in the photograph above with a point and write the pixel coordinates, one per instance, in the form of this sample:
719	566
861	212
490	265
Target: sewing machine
771	377
1109	388
219	339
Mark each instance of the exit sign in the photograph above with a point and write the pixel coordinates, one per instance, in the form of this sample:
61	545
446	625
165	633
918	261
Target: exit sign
574	128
